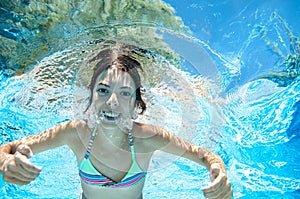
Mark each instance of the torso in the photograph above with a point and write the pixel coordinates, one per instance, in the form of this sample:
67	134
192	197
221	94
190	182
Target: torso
92	192
106	158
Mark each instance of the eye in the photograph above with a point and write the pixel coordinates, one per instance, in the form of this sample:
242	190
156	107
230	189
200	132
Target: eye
126	93
102	91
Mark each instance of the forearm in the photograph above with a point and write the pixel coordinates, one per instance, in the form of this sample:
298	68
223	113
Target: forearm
178	146
204	157
53	137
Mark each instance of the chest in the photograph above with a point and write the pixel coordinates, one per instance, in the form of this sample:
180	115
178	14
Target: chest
113	161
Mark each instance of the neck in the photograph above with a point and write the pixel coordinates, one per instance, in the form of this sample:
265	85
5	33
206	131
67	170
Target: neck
113	135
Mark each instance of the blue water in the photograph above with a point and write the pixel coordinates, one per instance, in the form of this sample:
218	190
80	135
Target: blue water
250	115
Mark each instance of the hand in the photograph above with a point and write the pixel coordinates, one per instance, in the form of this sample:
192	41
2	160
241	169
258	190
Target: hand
220	188
17	168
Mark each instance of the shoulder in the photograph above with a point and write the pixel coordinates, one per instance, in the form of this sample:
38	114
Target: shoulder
75	131
148	130
78	124
145	130
152	136
70	130
72	125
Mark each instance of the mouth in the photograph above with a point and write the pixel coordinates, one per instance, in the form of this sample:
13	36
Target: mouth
111	116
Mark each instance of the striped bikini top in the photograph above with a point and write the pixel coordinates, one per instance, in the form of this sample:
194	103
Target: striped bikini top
90	175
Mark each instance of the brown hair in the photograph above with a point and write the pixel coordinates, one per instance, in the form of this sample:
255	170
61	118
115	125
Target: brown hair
117	55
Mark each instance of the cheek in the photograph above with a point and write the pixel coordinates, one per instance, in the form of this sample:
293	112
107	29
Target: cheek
97	102
131	101
95	99
132	105
127	105
95	96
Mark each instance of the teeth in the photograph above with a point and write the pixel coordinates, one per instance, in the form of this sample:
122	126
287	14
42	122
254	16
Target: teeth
111	114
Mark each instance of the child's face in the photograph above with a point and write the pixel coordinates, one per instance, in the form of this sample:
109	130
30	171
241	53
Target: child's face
114	95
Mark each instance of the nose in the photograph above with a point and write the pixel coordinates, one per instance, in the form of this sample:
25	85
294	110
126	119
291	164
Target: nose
113	101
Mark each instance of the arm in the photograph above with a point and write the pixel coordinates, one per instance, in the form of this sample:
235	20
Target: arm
15	166
167	142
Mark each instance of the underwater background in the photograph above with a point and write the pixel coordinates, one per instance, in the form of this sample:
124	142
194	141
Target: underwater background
226	71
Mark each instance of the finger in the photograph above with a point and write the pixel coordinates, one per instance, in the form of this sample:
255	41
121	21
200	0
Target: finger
223	192
216	188
14	171
216	184
24	163
15	180
214	172
229	194
15	176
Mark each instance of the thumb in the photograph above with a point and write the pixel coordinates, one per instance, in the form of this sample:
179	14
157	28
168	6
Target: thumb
214	171
25	150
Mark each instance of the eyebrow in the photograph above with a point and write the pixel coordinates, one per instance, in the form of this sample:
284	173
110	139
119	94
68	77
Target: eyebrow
123	87
102	84
127	87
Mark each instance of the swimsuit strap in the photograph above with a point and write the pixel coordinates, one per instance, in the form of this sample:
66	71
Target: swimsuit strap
92	138
131	144
92	176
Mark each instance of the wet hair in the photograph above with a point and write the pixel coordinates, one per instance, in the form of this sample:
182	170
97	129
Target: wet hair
117	55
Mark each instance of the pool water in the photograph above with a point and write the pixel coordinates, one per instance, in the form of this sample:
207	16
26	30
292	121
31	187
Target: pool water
234	89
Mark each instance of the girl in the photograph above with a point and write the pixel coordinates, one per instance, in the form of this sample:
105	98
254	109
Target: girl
114	153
